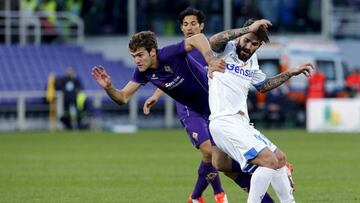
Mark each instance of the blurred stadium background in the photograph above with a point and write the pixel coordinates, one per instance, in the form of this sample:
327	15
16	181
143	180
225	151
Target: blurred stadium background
41	39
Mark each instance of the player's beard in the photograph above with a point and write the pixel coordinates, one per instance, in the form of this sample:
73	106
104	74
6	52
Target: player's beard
243	53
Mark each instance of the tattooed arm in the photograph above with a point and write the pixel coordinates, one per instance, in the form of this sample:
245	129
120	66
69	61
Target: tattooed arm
277	80
219	40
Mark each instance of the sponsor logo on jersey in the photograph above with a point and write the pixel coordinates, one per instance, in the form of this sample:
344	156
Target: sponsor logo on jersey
177	81
240	70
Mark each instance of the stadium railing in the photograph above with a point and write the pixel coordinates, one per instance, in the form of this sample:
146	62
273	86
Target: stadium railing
22	100
18	23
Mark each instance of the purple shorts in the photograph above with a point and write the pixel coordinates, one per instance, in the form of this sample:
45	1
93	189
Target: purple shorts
196	125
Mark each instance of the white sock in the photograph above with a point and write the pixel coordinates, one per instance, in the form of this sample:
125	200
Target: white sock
281	185
259	183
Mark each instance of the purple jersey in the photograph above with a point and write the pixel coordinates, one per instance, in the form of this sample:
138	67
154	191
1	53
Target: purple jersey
180	76
182	110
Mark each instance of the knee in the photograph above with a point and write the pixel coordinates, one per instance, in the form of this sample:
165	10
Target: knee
206	153
222	163
216	164
272	162
281	157
268	160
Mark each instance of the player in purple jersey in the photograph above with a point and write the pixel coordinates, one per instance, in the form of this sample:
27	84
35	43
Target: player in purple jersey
172	70
192	22
195	124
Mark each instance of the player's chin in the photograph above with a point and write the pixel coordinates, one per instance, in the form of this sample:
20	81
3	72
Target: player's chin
141	68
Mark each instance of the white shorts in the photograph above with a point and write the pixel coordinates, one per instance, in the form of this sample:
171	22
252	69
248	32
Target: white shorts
240	140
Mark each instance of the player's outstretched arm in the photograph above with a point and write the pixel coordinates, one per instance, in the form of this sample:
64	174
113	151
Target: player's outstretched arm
200	42
151	101
104	80
279	79
219	40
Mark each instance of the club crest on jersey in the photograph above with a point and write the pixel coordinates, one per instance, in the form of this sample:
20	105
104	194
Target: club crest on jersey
195	135
167	69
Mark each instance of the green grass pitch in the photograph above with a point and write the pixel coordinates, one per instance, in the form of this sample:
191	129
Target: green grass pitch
159	166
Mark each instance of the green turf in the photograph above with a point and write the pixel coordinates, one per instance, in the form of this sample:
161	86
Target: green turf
158	166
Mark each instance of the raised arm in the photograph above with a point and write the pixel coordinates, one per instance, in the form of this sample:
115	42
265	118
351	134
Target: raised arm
279	79
119	96
200	42
219	40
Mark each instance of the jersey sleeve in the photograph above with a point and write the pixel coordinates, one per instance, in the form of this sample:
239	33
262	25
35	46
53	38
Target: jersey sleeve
173	50
259	77
139	77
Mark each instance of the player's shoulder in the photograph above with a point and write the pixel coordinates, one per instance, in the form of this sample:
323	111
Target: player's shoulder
172	50
230	47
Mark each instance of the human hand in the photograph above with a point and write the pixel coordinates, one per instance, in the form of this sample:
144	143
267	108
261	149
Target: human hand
149	103
101	76
258	23
305	68
216	64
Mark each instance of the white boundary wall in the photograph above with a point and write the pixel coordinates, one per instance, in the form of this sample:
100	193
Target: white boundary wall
333	115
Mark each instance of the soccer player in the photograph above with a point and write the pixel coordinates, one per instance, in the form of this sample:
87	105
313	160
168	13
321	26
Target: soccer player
196	125
230	125
176	73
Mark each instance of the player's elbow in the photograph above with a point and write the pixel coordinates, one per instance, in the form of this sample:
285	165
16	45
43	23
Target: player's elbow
194	41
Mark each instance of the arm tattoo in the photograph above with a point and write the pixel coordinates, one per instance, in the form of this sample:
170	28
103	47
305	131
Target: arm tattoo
274	82
218	42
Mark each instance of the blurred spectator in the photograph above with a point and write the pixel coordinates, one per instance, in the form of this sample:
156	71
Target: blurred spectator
353	83
28	7
74	100
74	7
316	85
275	106
50	98
27	13
48	21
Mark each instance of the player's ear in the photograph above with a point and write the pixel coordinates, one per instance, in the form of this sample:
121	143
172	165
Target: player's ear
153	52
202	25
182	28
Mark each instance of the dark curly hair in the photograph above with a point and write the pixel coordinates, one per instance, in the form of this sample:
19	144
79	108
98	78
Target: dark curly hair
189	12
262	33
146	39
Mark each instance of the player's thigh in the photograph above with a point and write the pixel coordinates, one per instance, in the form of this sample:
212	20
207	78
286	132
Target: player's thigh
241	141
197	128
231	137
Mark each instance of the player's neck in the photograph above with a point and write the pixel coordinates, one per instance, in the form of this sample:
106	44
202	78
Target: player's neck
154	62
